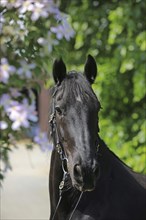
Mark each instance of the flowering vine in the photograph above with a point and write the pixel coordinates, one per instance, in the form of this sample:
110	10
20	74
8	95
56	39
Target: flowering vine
31	32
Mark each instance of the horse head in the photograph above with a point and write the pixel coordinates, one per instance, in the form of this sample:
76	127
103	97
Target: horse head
76	113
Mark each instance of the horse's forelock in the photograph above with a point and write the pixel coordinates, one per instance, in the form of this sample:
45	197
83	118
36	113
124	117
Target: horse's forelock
76	87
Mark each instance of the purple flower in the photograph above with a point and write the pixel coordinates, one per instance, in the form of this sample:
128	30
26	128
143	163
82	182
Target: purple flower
4	3
5	101
5	70
21	114
21	24
68	31
26	5
14	92
39	10
31	112
58	31
42	140
17	3
41	41
63	30
52	8
10	4
3	125
2	21
26	69
18	115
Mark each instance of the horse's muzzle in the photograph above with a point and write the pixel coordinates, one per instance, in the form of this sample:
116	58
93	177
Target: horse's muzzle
85	177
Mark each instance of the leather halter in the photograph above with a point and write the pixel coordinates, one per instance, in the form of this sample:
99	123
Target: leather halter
59	148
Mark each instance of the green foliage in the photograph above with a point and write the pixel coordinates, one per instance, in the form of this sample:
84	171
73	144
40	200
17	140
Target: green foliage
114	32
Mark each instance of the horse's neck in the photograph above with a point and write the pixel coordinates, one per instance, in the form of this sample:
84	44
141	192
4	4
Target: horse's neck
104	159
110	163
111	166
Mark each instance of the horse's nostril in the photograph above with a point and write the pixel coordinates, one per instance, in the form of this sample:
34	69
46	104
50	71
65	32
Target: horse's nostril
77	171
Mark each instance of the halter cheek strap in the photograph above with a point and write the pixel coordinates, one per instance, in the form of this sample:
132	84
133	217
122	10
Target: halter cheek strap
57	143
55	136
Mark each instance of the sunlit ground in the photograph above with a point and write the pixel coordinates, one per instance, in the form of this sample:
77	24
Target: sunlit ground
24	195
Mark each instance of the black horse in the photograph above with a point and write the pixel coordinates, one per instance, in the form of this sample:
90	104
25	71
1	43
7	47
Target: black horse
87	180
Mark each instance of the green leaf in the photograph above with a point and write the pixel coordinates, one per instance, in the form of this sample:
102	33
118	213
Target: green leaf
141	40
139	85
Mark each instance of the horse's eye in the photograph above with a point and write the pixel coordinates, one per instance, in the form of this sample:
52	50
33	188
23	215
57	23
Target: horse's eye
57	108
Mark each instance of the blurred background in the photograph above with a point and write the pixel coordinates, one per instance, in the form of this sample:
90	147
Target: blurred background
34	33
24	191
114	33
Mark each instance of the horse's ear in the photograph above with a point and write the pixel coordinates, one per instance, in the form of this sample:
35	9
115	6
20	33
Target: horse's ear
59	71
90	69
